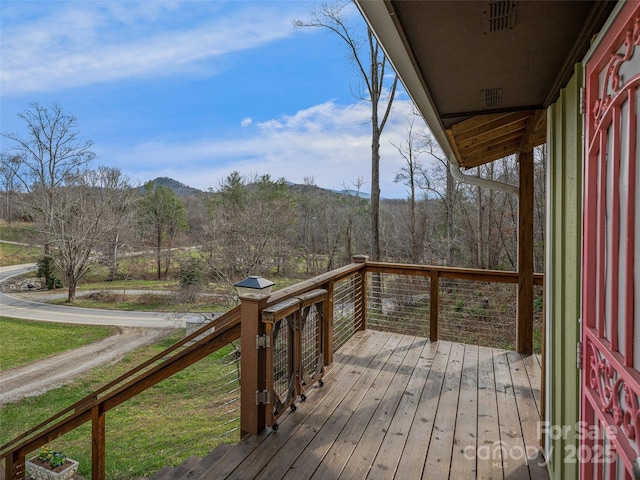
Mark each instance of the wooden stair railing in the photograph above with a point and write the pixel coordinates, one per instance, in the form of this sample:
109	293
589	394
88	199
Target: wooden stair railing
94	406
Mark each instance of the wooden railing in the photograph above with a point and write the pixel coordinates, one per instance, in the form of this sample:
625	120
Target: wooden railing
93	408
331	307
472	306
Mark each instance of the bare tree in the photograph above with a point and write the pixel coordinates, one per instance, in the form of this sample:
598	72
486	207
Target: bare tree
85	213
311	203
252	224
9	181
49	154
125	210
354	202
371	64
410	175
439	181
162	217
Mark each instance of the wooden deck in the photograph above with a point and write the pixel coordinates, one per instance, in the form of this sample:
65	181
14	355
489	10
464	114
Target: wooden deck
397	406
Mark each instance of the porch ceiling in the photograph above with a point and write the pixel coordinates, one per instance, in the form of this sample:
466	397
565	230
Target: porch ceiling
483	72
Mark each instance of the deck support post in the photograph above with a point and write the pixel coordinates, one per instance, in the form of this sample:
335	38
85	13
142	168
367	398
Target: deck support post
361	294
524	331
327	328
252	364
434	305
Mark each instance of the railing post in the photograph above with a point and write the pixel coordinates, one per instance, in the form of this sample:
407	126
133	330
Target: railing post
434	305
362	277
15	466
252	364
98	463
327	328
524	330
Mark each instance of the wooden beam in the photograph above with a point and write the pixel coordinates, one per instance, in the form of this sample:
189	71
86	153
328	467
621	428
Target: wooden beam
487	152
500	132
524	340
531	136
484	124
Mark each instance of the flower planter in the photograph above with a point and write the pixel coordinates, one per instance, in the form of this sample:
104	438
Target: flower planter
39	472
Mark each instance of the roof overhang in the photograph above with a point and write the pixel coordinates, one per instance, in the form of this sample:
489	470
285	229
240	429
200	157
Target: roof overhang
483	72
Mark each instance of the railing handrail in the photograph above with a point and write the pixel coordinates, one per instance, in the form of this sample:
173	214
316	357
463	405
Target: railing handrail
316	282
500	276
82	409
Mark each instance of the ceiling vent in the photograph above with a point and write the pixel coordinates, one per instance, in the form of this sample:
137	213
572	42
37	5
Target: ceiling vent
499	15
491	98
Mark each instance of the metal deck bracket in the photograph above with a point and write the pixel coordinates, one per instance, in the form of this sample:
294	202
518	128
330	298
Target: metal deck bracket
262	397
263	341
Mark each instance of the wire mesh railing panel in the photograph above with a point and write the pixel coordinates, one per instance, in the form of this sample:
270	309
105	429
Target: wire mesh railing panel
282	345
476	312
311	348
538	317
225	391
398	303
347	309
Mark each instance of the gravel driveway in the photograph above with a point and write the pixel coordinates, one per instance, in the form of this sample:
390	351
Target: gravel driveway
42	375
142	328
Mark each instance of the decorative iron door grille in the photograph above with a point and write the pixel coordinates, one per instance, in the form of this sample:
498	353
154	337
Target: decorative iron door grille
610	430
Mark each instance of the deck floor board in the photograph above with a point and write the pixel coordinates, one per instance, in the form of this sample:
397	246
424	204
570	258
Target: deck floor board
400	407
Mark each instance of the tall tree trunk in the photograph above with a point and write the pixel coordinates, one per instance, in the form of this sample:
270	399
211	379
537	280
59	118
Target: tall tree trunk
158	263
375	190
73	286
372	69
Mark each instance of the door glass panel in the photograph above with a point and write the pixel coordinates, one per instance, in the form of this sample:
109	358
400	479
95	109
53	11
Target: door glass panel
636	269
609	234
623	196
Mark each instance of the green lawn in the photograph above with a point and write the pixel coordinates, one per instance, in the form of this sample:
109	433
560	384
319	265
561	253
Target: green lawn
11	254
148	302
188	414
23	341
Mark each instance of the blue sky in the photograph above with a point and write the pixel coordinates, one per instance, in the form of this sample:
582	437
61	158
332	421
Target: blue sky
194	90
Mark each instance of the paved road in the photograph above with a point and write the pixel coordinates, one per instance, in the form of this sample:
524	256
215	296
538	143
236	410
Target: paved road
18	308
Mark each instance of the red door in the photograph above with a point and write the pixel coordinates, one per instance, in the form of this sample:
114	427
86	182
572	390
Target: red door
610	432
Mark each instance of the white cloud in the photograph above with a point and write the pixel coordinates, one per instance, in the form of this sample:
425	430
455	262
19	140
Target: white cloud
88	42
329	142
246	122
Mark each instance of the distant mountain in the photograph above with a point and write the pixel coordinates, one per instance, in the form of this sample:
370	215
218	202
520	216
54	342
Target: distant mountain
353	193
179	188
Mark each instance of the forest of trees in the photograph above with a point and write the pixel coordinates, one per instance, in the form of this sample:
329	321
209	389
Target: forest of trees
257	225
